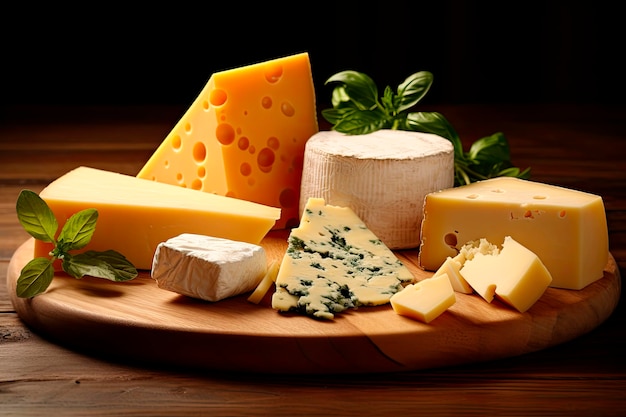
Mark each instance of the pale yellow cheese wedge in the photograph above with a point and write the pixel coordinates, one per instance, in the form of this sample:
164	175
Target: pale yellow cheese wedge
136	215
425	300
566	228
514	274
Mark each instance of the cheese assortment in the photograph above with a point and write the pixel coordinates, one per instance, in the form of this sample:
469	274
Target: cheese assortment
514	274
565	228
135	215
333	263
382	176
244	136
425	300
208	268
247	157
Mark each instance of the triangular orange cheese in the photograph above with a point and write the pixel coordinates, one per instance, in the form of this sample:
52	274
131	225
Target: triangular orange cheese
244	136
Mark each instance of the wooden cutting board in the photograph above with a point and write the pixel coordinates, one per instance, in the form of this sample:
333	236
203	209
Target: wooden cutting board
140	322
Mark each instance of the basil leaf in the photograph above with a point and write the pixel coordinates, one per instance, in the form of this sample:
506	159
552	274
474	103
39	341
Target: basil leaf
109	264
78	230
35	216
335	115
357	94
360	122
389	102
492	148
340	98
413	89
359	88
35	277
436	123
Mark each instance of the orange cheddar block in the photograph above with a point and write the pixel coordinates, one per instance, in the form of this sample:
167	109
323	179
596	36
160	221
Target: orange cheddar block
135	215
244	136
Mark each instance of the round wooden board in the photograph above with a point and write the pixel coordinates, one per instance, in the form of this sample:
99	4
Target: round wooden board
140	322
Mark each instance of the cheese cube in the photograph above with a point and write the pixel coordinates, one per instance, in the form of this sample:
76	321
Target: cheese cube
135	215
207	267
244	136
515	274
425	300
565	228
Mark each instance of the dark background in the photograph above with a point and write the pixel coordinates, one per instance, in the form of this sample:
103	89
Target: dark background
478	51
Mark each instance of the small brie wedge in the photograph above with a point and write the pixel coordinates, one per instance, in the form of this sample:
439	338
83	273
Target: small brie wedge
207	267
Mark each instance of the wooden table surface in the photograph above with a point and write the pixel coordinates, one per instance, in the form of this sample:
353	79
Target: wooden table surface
580	147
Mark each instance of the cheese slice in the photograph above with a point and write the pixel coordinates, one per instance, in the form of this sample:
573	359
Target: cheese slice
514	274
425	300
334	262
244	136
382	176
565	228
207	267
266	283
135	215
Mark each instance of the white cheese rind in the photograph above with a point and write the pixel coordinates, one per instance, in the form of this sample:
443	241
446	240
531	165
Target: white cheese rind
333	263
207	267
382	176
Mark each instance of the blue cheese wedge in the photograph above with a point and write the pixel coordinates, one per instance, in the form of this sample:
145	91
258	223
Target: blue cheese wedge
208	268
334	262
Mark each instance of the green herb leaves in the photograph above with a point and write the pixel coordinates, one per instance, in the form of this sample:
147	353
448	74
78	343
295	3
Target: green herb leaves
38	220
358	109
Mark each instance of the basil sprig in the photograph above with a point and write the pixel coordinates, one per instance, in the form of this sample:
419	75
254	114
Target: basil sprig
358	109
38	220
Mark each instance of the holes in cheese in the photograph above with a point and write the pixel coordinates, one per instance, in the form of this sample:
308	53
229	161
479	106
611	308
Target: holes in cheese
565	228
244	136
383	176
135	215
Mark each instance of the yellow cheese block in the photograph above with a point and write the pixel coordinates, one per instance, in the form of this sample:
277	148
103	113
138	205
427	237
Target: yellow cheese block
244	136
565	228
425	300
515	274
135	215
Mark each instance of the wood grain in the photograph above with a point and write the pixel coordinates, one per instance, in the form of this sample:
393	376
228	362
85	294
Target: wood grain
581	147
96	315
